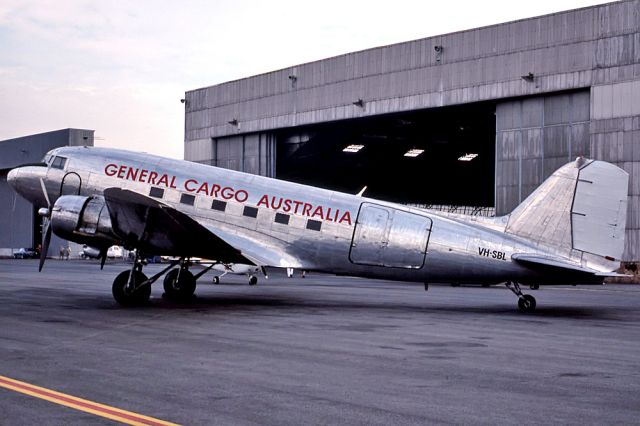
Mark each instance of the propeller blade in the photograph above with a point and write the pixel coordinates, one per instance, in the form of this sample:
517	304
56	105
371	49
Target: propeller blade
103	258
46	239
44	191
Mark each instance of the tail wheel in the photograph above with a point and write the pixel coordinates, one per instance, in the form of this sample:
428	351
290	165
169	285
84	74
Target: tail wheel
179	284
137	295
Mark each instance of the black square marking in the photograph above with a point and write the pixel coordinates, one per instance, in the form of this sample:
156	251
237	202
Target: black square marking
156	192
282	218
314	225
187	199
219	205
250	211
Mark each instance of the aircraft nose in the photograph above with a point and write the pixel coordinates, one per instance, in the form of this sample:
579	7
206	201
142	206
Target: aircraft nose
12	178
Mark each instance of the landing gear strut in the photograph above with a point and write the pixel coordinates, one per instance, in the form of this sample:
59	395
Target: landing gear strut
526	302
132	288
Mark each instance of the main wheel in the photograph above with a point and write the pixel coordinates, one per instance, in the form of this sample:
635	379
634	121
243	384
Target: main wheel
126	297
179	288
253	280
527	303
216	280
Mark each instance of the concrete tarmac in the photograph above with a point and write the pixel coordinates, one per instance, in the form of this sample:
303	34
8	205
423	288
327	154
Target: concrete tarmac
319	350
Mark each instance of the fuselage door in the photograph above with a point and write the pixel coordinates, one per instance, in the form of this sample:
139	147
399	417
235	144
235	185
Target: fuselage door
369	237
71	184
389	237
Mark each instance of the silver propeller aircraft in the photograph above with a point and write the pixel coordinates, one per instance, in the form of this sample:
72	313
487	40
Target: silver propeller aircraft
569	231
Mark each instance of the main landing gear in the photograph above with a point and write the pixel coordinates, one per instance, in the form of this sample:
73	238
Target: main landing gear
526	302
133	288
180	283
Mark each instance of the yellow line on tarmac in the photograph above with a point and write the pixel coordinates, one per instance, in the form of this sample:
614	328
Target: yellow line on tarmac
80	404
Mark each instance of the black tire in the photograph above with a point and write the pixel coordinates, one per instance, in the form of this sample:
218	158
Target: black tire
125	298
253	280
216	280
182	288
527	303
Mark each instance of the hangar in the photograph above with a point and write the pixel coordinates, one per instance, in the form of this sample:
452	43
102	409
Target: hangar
474	118
21	225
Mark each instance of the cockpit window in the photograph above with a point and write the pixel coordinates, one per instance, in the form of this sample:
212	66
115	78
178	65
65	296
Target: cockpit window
47	159
58	162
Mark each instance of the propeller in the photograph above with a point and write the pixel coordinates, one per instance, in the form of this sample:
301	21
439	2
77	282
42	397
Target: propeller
45	212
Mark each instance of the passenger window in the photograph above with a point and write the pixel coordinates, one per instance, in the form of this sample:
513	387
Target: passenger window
187	199
156	192
250	211
59	162
219	205
282	218
314	225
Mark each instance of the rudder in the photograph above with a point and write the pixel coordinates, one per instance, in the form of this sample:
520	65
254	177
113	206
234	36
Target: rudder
580	210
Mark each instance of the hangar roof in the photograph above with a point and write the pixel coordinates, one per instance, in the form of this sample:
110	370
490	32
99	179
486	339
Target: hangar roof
561	51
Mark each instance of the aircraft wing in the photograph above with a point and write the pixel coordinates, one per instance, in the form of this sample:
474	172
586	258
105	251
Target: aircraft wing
268	252
537	261
156	228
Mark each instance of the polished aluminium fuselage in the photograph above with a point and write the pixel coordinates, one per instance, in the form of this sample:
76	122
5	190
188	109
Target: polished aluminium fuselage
357	236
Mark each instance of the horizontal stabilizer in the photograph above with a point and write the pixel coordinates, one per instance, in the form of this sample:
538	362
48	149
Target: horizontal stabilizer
550	262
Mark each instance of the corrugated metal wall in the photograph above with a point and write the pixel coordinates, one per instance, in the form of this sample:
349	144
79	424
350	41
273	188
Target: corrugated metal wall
534	137
253	153
615	137
564	51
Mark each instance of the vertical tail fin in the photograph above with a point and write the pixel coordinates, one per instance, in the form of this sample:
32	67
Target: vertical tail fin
580	210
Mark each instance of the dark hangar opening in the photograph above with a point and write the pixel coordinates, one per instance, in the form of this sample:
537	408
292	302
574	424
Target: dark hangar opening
440	137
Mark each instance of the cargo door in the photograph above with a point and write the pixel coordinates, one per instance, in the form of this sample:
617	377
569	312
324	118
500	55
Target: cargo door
370	235
388	237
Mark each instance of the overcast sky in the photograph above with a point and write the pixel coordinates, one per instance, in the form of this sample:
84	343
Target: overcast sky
121	67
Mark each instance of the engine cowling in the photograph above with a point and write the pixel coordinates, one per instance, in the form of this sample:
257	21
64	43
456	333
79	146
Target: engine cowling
84	220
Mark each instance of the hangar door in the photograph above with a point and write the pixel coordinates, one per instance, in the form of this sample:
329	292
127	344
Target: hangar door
388	237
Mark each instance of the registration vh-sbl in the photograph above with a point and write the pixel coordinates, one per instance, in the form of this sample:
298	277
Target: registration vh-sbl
569	231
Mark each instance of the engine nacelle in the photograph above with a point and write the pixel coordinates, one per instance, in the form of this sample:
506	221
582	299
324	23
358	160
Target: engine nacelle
84	220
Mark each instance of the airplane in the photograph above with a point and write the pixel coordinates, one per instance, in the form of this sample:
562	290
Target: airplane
570	230
237	269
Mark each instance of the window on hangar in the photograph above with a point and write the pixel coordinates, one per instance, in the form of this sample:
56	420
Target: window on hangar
436	156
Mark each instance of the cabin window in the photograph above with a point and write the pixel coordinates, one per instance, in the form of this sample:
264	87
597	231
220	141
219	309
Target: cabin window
59	162
314	225
219	205
187	199
250	211
282	218
156	192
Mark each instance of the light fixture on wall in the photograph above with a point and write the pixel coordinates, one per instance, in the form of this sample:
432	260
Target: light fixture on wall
529	77
233	122
359	103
